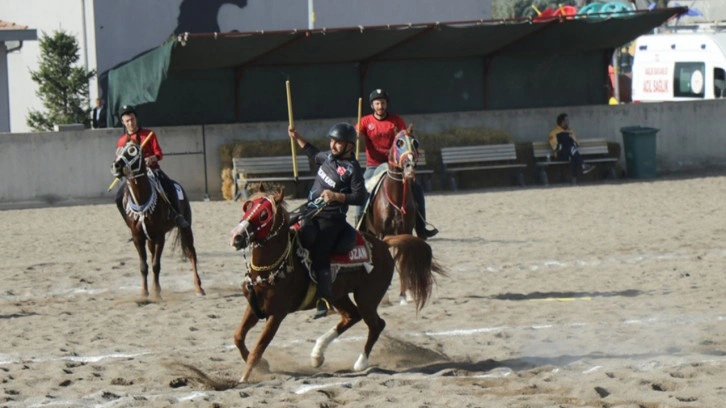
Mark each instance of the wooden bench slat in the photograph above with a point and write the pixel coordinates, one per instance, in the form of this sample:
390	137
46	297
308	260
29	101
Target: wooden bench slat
593	151
480	157
496	166
265	169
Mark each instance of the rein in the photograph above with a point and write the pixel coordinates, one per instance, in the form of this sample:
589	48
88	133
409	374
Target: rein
404	201
279	267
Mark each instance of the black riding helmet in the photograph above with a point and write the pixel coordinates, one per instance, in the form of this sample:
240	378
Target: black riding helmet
126	109
342	132
378	94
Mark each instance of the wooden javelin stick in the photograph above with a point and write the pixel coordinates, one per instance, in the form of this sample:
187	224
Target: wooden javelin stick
142	150
292	126
357	140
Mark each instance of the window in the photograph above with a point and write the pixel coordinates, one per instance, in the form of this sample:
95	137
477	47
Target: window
719	83
689	79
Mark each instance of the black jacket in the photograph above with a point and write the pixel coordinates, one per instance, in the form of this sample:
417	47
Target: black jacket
338	175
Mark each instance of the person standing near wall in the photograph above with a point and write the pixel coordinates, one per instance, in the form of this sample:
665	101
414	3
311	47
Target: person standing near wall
98	115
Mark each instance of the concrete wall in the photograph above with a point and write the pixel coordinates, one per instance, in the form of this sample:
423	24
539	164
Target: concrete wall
42	168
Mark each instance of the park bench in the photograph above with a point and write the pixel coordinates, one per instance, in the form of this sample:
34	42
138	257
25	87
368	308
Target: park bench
423	171
271	169
482	157
593	151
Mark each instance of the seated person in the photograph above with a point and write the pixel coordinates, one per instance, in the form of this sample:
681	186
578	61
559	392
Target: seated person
564	146
339	184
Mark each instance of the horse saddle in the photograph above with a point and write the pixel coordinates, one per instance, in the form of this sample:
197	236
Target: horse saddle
372	186
351	250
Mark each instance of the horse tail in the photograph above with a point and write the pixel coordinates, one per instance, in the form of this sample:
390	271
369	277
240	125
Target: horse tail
185	237
416	265
185	240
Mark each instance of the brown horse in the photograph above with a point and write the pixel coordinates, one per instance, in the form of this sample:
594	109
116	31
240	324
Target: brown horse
146	215
278	281
392	209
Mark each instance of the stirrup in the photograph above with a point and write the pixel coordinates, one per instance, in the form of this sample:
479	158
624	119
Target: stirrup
431	233
323	309
180	221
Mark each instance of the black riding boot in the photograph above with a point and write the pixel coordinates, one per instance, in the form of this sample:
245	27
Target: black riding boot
176	211
325	293
420	227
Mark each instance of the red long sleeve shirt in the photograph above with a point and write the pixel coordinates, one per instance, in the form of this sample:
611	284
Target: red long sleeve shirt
152	147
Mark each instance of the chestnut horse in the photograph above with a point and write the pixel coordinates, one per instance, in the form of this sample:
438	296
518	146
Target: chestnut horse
278	282
392	209
147	216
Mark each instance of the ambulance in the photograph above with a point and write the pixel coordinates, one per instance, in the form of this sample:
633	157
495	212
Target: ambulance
679	67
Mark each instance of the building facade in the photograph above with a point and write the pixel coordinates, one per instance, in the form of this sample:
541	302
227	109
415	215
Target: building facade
111	32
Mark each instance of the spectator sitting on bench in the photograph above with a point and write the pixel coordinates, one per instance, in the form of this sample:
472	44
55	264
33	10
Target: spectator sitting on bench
564	146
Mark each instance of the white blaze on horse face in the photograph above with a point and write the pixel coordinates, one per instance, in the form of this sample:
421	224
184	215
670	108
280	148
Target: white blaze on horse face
240	229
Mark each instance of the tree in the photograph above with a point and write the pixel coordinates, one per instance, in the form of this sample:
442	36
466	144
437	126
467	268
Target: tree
62	87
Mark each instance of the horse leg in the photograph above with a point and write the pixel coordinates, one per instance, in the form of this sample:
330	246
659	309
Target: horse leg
268	333
140	244
403	294
369	313
368	296
187	242
249	320
349	316
156	248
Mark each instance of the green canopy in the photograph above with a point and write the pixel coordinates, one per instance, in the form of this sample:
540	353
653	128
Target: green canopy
239	77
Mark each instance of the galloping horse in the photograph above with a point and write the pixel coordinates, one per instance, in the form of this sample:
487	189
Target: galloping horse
278	281
392	209
147	216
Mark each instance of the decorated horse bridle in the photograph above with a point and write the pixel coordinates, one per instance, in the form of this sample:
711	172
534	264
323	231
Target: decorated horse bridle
404	148
131	156
261	214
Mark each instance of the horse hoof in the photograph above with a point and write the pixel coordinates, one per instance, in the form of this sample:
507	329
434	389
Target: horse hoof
201	293
361	364
402	301
317	361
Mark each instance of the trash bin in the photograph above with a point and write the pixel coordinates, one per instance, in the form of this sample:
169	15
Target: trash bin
639	146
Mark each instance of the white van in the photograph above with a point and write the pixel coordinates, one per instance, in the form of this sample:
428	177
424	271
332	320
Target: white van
679	67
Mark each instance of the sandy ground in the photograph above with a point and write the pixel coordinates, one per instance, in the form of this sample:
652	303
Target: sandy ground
607	295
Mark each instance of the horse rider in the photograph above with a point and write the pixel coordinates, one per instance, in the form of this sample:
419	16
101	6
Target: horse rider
152	154
379	129
338	184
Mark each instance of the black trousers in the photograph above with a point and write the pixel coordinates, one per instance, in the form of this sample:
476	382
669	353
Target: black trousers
320	235
418	195
567	150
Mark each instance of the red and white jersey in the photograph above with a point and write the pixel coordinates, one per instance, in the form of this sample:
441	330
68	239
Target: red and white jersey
378	136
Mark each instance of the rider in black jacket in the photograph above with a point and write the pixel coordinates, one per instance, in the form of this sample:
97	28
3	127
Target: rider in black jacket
338	184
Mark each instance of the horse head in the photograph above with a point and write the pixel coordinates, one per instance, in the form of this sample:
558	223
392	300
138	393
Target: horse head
263	218
129	161
403	154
